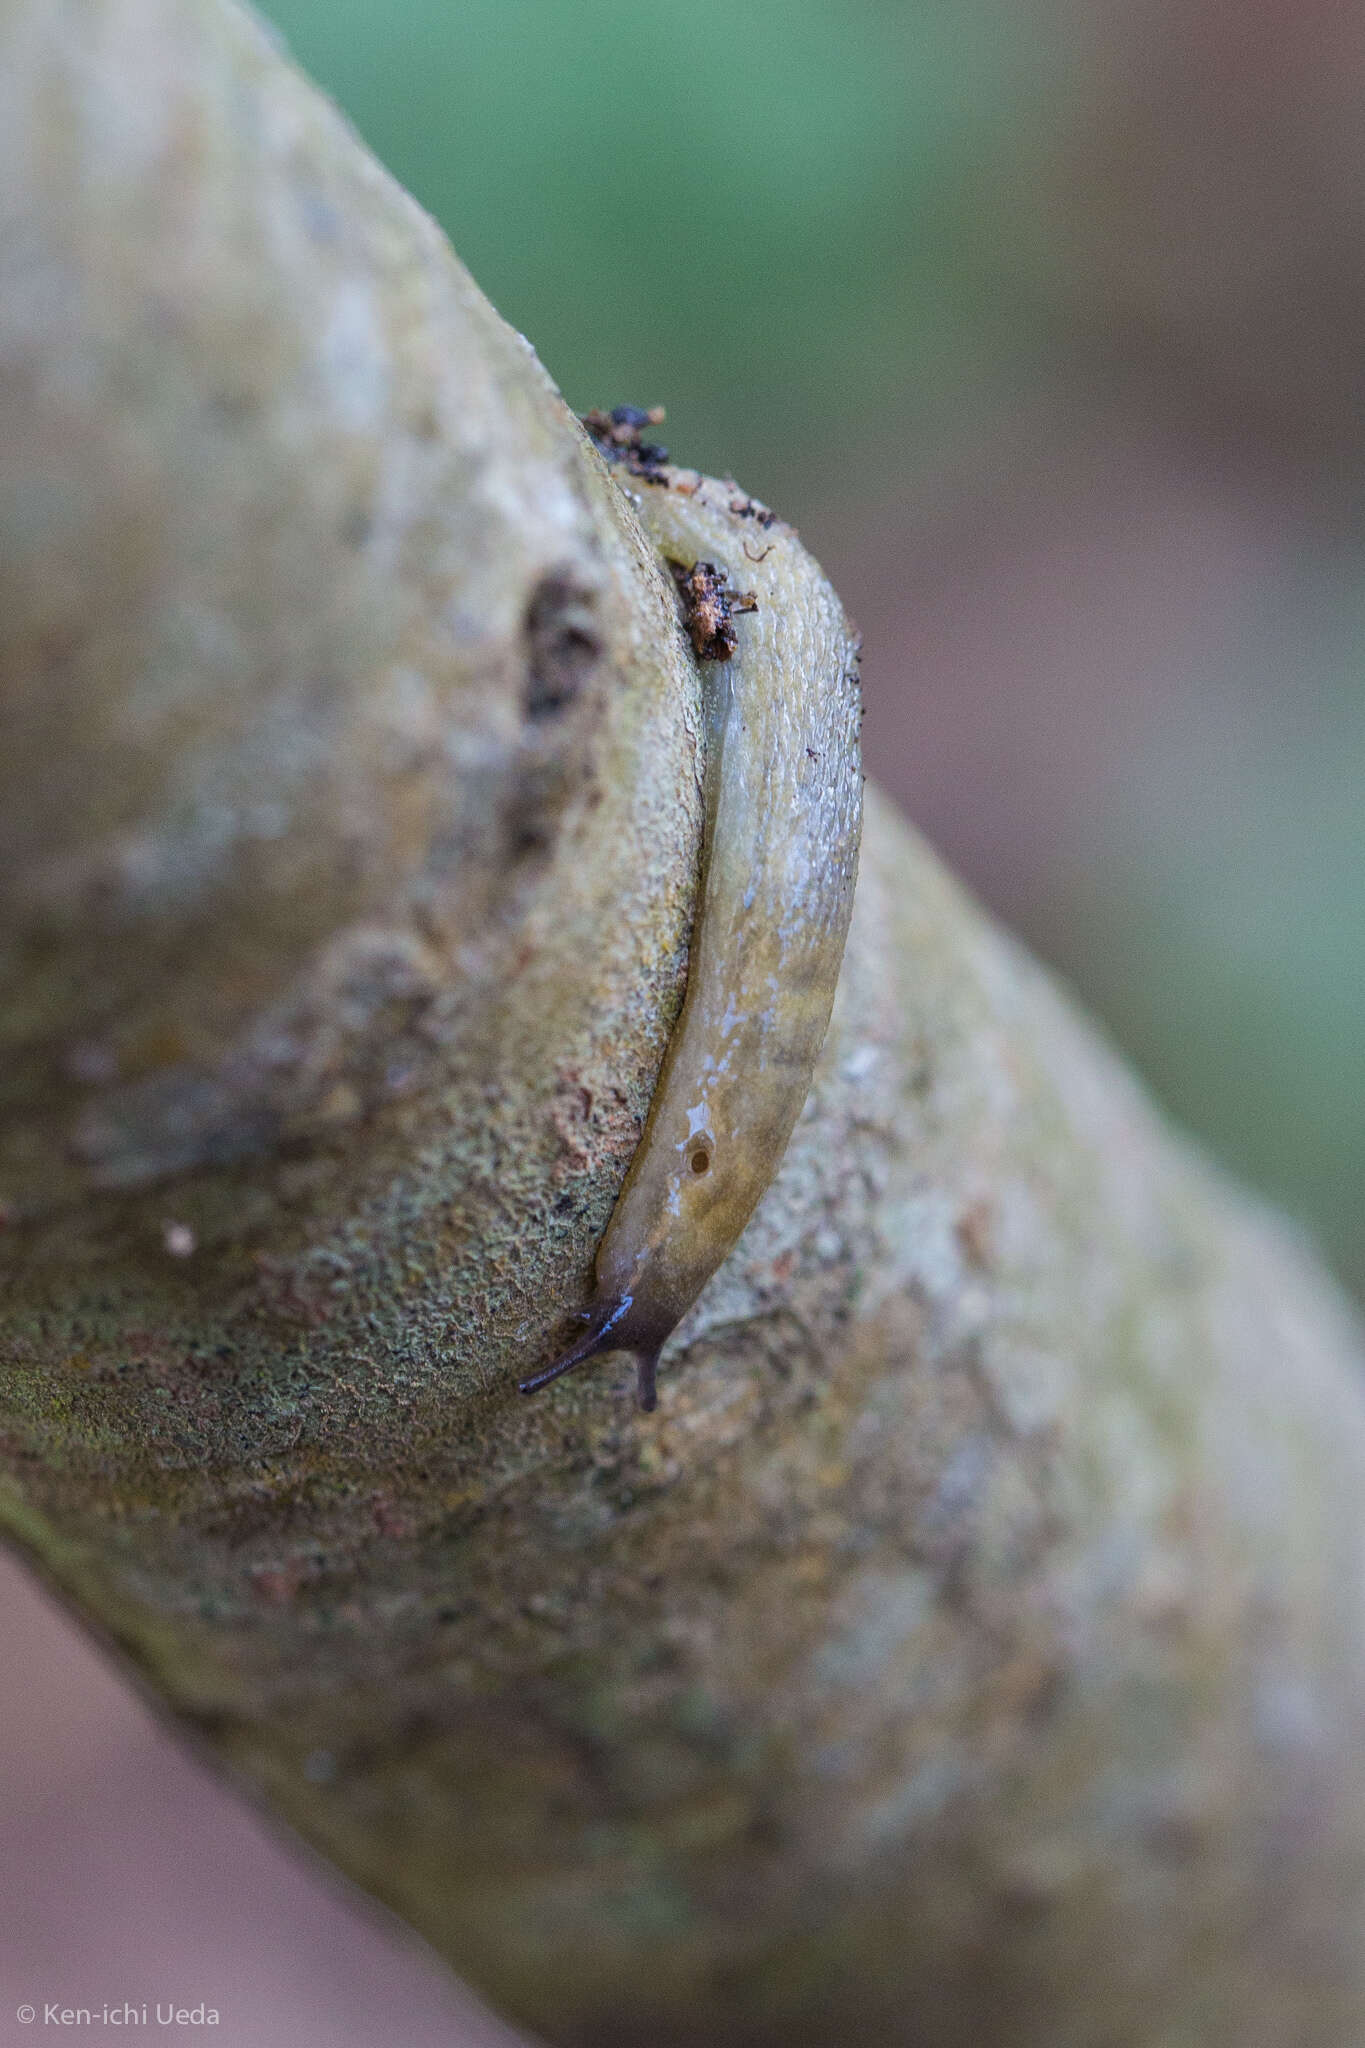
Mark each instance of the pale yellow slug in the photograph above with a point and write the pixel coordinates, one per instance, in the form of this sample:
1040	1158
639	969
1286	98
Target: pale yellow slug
783	807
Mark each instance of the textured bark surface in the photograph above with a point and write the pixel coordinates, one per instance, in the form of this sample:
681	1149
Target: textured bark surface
972	1648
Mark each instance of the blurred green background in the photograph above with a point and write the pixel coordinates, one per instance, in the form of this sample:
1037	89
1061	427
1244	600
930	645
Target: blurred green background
1046	323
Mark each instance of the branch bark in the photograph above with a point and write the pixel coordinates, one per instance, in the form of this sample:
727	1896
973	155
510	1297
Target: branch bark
972	1649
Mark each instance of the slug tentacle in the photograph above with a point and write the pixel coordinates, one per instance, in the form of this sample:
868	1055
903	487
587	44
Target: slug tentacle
611	1330
783	807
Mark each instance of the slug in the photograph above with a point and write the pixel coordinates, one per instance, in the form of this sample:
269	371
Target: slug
783	792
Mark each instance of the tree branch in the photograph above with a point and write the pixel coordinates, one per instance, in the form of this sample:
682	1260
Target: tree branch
972	1647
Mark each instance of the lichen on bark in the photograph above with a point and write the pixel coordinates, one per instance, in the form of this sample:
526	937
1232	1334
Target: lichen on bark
972	1647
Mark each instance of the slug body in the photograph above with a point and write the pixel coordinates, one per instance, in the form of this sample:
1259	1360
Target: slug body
783	798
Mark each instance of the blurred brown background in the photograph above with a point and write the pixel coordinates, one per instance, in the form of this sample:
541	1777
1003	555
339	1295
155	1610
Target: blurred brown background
1046	323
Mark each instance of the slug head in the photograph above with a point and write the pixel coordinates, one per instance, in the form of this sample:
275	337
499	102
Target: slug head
614	1325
